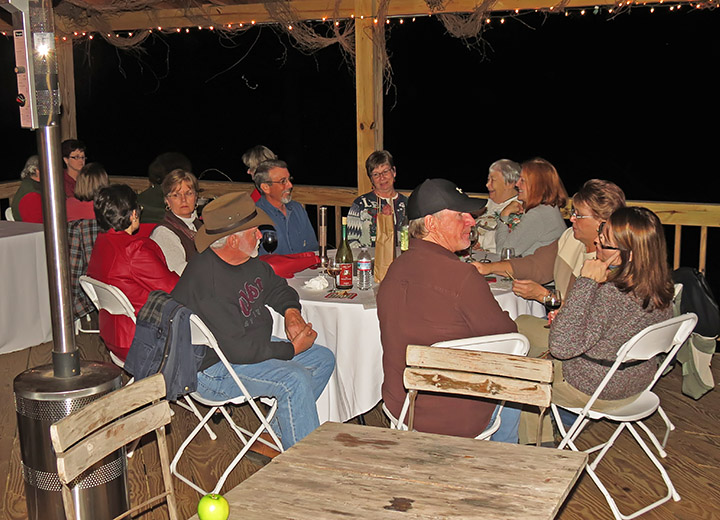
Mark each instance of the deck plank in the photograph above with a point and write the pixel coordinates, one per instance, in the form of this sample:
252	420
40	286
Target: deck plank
693	455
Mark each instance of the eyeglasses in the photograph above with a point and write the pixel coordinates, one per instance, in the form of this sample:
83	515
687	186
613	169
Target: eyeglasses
376	175
282	182
601	240
185	195
78	157
574	214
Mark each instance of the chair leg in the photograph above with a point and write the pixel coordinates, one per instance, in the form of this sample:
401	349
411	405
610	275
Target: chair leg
189	405
590	469
660	448
669	426
412	395
181	449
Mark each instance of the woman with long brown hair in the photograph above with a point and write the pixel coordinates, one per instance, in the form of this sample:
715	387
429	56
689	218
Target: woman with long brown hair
626	289
541	196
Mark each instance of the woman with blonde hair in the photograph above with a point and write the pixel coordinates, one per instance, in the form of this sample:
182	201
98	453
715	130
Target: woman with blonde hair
541	196
175	234
91	178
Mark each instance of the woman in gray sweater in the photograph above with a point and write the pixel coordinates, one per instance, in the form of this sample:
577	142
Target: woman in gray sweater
534	220
626	289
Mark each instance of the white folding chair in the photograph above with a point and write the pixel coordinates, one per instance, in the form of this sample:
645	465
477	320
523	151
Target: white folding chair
662	338
201	335
513	343
111	299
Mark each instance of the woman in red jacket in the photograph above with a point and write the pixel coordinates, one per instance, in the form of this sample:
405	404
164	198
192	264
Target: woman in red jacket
125	257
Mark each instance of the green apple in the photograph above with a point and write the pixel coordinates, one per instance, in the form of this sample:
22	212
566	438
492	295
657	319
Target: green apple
213	507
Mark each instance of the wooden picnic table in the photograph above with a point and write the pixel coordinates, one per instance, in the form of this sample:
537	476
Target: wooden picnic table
352	471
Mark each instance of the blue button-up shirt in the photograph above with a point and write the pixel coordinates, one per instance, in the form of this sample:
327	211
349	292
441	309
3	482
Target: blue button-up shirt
294	231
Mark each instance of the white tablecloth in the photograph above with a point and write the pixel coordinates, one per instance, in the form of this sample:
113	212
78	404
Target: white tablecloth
350	328
24	296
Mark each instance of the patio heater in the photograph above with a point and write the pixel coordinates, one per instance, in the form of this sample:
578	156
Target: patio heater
46	394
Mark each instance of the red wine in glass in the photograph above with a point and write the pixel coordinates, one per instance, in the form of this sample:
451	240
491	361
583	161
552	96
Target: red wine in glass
269	240
552	302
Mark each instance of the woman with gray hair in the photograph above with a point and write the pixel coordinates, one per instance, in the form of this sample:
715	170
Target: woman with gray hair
175	234
27	202
502	177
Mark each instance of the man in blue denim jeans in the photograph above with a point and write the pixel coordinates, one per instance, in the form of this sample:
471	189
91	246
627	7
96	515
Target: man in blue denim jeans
229	289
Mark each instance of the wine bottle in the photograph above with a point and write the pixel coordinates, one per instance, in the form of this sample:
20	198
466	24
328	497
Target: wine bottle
344	257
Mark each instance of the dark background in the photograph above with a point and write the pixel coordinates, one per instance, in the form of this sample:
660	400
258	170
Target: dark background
631	98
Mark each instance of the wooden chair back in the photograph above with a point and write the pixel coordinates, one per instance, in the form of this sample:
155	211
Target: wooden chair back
108	424
490	375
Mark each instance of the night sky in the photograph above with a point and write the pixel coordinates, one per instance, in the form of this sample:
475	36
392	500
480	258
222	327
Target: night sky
632	99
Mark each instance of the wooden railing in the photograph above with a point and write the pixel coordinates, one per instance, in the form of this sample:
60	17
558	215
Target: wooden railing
679	215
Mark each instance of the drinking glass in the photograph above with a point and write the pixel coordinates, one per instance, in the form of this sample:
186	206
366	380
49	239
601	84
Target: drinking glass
552	302
506	254
269	240
474	237
333	270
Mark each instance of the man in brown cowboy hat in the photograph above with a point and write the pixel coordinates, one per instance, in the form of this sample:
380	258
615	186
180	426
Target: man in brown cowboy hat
228	288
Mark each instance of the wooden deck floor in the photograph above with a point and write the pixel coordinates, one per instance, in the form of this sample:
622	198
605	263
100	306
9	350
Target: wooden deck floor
693	455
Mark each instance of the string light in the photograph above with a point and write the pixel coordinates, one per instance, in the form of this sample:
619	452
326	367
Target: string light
502	17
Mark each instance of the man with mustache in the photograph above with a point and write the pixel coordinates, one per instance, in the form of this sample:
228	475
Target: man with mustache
294	232
228	288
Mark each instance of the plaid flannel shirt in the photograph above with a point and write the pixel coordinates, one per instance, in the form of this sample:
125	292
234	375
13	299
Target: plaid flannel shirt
81	239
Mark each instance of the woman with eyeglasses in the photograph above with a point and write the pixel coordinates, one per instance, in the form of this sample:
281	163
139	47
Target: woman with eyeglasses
124	256
561	261
626	289
175	234
541	196
74	157
362	216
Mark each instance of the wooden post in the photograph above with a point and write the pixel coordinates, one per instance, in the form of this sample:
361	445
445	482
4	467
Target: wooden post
368	88
66	78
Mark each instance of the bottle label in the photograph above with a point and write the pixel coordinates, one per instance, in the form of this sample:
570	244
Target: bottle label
364	265
345	276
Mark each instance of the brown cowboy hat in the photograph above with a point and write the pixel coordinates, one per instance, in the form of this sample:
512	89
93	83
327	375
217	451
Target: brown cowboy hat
227	215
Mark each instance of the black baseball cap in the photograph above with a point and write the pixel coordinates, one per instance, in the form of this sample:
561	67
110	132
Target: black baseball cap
434	195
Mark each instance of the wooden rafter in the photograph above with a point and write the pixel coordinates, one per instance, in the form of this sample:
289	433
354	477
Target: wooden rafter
219	15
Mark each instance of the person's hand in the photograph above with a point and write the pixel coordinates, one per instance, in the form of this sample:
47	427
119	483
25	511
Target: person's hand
482	267
305	339
514	207
300	334
529	290
294	323
598	269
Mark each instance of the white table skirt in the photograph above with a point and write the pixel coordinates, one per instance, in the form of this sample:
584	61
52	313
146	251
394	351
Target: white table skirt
350	328
24	295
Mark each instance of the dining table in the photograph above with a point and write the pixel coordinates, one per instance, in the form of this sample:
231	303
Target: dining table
347	323
24	293
355	471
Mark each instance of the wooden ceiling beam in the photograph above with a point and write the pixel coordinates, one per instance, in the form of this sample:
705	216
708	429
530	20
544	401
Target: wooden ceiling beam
220	15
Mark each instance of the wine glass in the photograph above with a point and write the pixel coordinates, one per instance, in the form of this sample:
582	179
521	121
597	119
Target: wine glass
333	270
269	240
552	301
474	237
